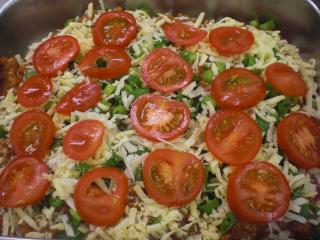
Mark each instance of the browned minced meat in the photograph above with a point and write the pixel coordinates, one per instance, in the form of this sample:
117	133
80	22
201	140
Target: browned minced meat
22	229
5	151
244	230
10	74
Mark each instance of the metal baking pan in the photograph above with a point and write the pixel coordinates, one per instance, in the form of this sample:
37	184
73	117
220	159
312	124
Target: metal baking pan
25	21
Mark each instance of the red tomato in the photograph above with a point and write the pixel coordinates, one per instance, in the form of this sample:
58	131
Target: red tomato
165	71
285	80
83	139
238	88
32	133
96	206
81	98
233	137
231	40
55	54
114	29
23	182
172	178
115	63
183	34
35	91
258	193
299	138
155	117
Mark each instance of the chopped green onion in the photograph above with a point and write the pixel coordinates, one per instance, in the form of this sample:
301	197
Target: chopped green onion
29	73
55	202
297	192
120	109
2	132
75	219
190	57
154	220
284	106
135	80
208	206
138	174
134	54
305	211
271	91
57	142
101	63
275	53
220	66
262	124
207	75
257	71
129	89
114	161
140	91
161	43
209	99
314	104
66	24
268	25
121	125
249	60
228	222
254	23
83	167
140	152
48	105
179	96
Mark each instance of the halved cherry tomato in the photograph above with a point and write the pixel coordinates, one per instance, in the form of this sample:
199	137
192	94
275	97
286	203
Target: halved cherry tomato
183	34
172	178
233	137
83	139
155	117
238	88
258	193
95	205
299	137
105	63
231	40
23	182
32	133
114	29
81	98
35	91
165	71
55	54
286	80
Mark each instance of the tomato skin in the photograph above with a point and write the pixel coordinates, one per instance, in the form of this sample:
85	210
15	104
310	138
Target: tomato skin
299	137
180	176
165	71
35	91
100	208
238	88
82	97
152	114
231	40
32	133
117	36
117	63
285	80
183	34
258	185
233	137
83	139
54	55
31	185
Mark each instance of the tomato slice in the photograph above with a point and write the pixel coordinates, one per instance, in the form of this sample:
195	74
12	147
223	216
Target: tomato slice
231	40
172	178
83	139
105	63
183	34
32	133
285	80
95	205
81	98
55	54
114	29
233	137
238	88
35	91
165	71
299	138
155	117
258	193
23	182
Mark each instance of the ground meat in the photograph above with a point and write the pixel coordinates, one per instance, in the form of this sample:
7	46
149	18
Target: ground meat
23	229
244	230
5	151
11	74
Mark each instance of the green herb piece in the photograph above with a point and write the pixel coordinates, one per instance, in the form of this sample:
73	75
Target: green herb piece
140	91
271	91
209	99
48	105
138	174
75	219
109	89
140	152
228	222
29	73
115	161
220	66
268	25
154	220
78	58
66	24
121	125
249	60
120	109
208	206
275	51
314	104
305	211
101	63
257	71
264	125
285	105
83	167
161	43
179	96
297	192
55	202
135	80
134	54
2	132
57	142
207	75
254	23
190	57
